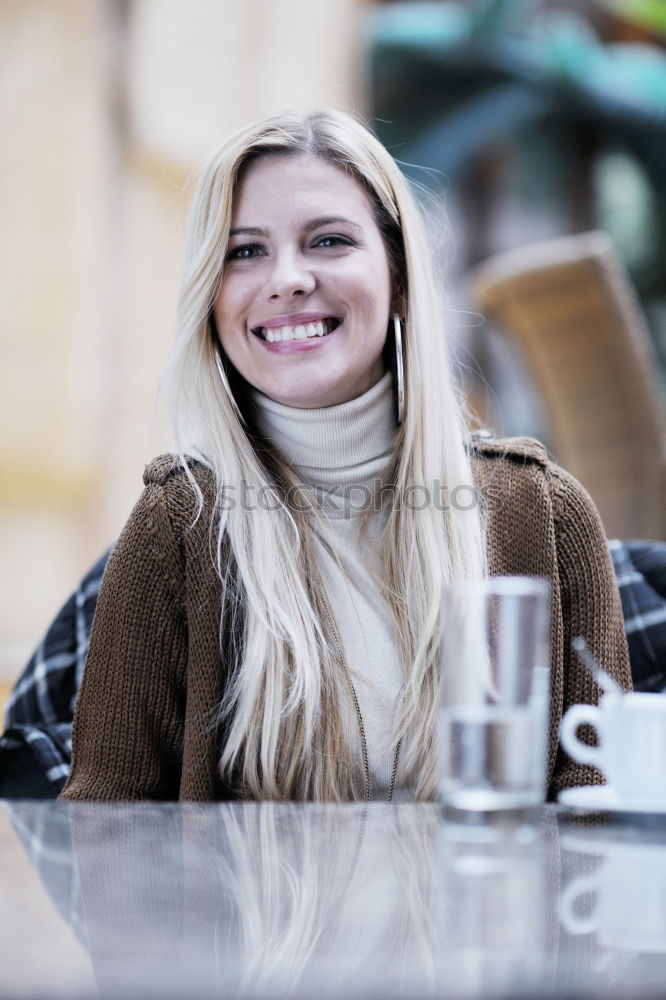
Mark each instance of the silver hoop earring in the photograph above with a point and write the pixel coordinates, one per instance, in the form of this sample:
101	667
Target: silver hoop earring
399	374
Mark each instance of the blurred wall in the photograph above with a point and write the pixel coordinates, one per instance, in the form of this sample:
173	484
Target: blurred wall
105	107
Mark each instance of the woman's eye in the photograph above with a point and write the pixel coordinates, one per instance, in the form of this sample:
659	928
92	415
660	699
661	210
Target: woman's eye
333	241
245	252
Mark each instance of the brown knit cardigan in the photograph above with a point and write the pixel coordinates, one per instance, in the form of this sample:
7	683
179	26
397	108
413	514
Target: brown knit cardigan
144	726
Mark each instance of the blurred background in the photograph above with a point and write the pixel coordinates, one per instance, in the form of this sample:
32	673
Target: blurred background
536	127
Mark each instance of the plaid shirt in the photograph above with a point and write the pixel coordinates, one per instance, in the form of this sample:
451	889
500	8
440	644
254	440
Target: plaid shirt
41	706
640	568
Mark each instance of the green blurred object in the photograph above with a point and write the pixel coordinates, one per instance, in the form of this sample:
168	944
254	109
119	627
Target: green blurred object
650	14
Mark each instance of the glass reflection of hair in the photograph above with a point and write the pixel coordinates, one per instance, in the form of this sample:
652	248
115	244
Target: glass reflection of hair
283	722
304	887
285	891
412	935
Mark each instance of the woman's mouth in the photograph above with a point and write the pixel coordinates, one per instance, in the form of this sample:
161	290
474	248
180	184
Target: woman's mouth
301	331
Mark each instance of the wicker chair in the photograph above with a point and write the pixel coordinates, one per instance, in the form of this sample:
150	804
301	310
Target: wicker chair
569	306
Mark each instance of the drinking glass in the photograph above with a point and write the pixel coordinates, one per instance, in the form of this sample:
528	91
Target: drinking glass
493	720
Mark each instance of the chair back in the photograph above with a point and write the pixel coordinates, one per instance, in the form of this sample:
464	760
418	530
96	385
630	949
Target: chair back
574	315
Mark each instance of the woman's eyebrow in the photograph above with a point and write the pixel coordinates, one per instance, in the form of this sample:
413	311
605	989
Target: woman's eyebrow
330	220
247	231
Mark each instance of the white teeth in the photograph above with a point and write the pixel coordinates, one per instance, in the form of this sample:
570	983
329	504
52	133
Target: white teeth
300	332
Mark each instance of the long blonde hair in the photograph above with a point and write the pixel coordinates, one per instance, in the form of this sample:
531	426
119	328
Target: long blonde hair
283	709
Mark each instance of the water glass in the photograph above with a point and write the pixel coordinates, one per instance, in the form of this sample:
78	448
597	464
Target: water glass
493	720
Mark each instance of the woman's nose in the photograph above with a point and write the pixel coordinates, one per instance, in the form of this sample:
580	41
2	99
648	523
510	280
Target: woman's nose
290	276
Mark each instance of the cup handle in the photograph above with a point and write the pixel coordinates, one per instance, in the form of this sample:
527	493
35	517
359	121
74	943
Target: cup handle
574	717
571	921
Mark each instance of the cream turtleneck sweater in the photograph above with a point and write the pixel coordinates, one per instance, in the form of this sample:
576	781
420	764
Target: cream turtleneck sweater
344	450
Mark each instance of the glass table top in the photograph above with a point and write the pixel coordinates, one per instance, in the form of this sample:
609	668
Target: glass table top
305	900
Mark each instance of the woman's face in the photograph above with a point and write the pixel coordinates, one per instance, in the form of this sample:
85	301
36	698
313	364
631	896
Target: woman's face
305	296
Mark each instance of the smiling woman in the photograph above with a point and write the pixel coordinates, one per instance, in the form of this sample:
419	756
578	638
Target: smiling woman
268	624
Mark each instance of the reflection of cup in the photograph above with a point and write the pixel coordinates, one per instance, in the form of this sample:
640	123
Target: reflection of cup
631	730
629	890
493	721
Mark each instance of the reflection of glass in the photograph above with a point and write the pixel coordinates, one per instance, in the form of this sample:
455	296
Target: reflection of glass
493	722
497	904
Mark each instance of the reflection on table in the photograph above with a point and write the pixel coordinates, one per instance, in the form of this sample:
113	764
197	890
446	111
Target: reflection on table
264	900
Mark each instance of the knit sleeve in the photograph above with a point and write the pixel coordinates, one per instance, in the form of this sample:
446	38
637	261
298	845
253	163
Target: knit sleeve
590	608
128	722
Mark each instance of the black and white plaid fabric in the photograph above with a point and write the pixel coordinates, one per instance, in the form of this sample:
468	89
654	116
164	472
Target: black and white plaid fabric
41	706
640	568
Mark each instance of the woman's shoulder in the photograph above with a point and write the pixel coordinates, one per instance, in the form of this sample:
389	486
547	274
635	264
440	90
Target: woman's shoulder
176	492
171	469
512	463
485	445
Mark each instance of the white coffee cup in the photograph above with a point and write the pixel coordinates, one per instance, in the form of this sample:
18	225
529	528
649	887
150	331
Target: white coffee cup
631	751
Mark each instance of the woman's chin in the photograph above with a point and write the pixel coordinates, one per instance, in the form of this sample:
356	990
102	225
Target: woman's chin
320	389
299	392
301	401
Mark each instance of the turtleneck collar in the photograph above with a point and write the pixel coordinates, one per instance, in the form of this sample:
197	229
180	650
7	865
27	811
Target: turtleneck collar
336	445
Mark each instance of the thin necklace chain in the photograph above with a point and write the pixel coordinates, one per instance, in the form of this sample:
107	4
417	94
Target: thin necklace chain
364	751
364	742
